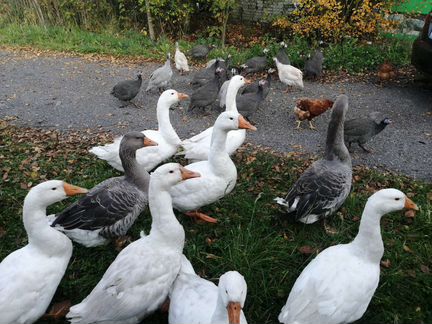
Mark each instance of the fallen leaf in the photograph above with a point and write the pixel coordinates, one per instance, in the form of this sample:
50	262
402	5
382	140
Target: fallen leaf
306	249
423	268
59	310
2	231
407	249
357	178
355	218
212	256
386	263
411	273
410	213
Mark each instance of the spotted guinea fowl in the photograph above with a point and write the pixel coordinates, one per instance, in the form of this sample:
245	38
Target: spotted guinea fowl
204	76
325	185
255	64
127	90
111	207
201	51
282	55
207	94
180	60
314	65
161	77
338	285
361	130
253	87
248	103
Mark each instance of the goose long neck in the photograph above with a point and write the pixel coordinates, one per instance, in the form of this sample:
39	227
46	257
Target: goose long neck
39	233
335	146
368	240
165	226
219	159
220	314
230	102
132	170
164	124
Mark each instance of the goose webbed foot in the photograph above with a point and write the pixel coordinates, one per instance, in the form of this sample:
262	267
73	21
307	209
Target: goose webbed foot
201	217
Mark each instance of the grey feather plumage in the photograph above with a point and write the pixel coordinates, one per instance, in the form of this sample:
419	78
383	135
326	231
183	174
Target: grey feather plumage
161	77
127	90
255	64
282	56
248	103
314	66
323	187
111	207
200	51
204	76
207	94
361	130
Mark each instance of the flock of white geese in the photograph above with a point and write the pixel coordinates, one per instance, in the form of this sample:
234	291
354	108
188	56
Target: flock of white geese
335	287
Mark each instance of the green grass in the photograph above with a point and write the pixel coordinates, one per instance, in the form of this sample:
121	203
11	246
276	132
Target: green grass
351	55
250	237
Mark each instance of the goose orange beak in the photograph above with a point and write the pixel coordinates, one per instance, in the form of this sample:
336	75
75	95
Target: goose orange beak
409	204
188	174
149	142
182	96
244	124
234	310
72	190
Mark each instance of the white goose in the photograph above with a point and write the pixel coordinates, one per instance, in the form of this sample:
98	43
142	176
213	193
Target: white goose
289	75
139	279
197	147
180	60
194	300
218	173
166	137
338	285
29	276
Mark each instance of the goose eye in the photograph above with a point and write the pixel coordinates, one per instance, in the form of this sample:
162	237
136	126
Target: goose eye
53	188
231	118
171	171
137	137
226	291
397	198
172	93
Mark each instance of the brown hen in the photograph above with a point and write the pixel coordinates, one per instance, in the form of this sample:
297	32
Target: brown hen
310	108
386	71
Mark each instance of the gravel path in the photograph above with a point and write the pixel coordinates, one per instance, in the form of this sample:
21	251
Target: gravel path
73	93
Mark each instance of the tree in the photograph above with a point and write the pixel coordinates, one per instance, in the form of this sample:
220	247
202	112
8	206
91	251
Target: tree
221	10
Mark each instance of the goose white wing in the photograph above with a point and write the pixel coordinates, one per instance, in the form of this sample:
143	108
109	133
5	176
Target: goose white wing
26	275
336	287
109	153
135	284
198	146
198	192
192	300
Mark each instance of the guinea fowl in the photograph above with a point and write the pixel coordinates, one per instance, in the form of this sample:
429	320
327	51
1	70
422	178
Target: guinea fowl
314	65
310	108
282	55
253	87
111	207
161	77
248	104
180	60
361	130
201	51
255	64
204	76
127	90
325	185
207	94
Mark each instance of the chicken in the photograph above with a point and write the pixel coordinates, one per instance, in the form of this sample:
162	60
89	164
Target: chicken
310	108
386	71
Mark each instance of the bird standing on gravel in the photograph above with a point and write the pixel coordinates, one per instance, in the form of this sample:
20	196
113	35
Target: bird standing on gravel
255	64
180	60
314	65
310	108
161	77
127	90
361	130
289	75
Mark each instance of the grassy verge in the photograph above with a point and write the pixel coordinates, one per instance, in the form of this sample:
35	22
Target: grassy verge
250	236
351	55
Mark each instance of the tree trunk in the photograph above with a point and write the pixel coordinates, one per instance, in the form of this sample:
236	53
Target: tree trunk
150	21
224	27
